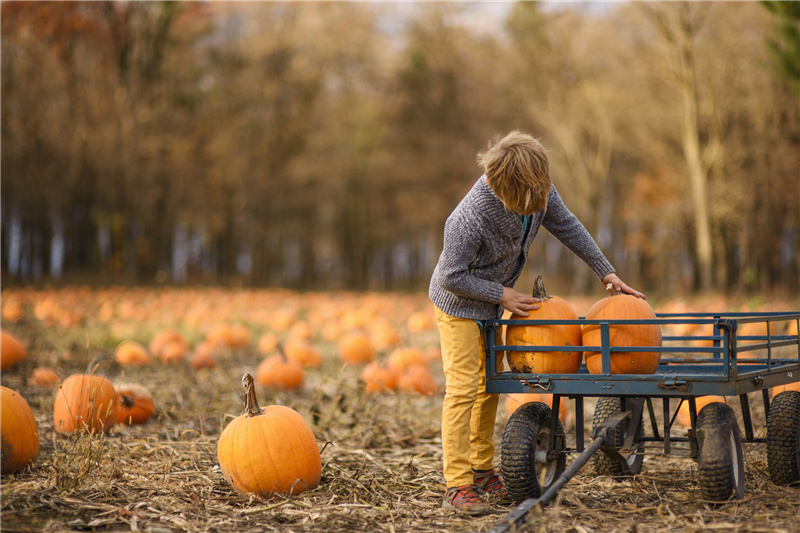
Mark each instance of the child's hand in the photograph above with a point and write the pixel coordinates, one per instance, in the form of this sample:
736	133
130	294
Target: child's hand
518	303
619	286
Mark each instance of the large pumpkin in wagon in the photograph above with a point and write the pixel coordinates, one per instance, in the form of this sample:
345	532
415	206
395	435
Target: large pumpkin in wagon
621	306
269	451
541	362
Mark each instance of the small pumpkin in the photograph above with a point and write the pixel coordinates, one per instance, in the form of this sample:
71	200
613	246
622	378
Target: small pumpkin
269	451
164	338
621	306
134	404
685	418
19	435
378	378
402	358
267	343
45	377
304	353
419	321
131	353
355	348
173	352
85	402
515	401
418	379
11	350
550	308
278	372
203	357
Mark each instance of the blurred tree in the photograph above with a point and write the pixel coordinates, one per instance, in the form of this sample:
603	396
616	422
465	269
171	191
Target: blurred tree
785	47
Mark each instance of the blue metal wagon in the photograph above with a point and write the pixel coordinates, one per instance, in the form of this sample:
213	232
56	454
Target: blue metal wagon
718	358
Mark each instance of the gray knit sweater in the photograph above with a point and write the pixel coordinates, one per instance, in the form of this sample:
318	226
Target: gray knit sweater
484	251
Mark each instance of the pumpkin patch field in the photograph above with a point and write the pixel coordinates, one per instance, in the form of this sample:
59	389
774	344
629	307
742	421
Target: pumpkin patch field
272	410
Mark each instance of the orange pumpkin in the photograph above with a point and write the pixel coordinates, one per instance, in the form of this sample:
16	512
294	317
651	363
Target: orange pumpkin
550	308
85	402
44	377
173	352
203	357
623	307
269	451
304	353
780	388
267	343
131	353
402	358
164	338
276	372
514	401
355	348
11	350
418	378
685	418
378	378
134	404
19	435
419	321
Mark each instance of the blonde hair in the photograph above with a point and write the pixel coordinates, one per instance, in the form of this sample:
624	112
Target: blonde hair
518	172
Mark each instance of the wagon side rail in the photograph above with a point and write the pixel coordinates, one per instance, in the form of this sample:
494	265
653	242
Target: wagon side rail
721	356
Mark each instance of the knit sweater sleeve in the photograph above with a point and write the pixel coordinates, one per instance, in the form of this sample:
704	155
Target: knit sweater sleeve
462	244
566	227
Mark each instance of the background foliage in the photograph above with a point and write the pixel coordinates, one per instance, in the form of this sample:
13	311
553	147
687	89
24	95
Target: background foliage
322	145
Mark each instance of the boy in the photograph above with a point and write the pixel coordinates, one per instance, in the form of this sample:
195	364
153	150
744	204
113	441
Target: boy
486	242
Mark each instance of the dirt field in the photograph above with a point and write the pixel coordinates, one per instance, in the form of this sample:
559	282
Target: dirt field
381	459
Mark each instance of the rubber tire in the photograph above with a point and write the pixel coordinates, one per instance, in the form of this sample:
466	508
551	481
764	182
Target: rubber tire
783	438
528	432
719	449
603	464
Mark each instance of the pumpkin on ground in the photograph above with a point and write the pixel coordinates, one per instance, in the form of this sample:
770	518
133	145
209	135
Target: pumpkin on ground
378	378
278	372
19	435
43	376
11	350
304	353
621	306
685	418
164	338
203	357
269	451
402	358
134	404
85	402
131	353
418	379
515	401
355	348
545	362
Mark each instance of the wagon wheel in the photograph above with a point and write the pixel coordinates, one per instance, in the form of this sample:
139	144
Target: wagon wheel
605	465
783	438
527	471
720	458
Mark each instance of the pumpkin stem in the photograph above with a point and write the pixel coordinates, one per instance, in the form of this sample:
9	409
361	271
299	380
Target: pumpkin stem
251	407
538	289
610	288
127	401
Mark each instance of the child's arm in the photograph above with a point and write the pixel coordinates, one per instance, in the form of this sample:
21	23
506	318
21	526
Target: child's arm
566	227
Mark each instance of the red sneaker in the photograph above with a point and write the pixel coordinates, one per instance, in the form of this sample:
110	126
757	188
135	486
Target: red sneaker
465	500
491	484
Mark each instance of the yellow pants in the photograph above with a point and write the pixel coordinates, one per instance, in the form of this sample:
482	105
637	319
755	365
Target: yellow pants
468	412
